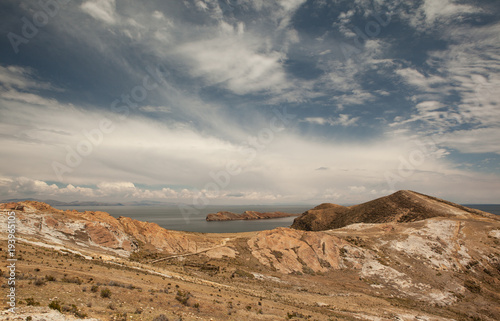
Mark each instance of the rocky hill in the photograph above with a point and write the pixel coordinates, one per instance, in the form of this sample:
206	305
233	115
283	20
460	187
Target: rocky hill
424	259
402	206
99	231
247	215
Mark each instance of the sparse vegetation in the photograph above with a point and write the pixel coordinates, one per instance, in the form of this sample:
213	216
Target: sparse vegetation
105	293
32	302
183	297
291	315
277	254
161	317
307	270
75	280
243	274
55	305
50	278
471	264
472	286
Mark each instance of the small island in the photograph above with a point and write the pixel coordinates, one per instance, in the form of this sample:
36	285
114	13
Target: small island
247	215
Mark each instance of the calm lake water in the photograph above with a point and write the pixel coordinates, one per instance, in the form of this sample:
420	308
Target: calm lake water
490	208
170	217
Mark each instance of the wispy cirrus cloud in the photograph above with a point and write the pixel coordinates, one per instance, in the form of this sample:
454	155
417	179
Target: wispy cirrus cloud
416	71
465	115
342	120
103	10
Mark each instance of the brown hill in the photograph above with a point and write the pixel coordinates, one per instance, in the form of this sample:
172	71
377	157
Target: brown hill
118	236
402	206
247	215
439	268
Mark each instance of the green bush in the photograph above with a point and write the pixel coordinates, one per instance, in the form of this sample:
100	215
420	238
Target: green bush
105	293
50	278
32	302
55	305
183	297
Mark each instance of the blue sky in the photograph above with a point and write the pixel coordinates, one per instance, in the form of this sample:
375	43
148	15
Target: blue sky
240	102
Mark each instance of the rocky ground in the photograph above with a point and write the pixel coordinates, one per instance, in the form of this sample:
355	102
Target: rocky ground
91	265
402	206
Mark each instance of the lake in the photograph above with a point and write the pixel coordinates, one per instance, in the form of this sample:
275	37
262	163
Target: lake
170	216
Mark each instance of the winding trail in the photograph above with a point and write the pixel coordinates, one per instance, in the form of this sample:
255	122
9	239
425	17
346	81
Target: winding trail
223	244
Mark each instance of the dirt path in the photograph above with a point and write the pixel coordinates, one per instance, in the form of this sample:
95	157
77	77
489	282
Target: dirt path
223	244
457	244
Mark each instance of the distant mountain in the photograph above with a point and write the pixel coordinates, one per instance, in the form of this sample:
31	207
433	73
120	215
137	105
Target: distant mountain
59	203
402	206
90	203
148	203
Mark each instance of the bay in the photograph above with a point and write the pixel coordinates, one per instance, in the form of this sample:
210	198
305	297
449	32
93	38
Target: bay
171	216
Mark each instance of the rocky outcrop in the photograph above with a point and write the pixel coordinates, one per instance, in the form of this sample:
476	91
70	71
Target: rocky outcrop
402	206
171	242
247	215
292	251
100	231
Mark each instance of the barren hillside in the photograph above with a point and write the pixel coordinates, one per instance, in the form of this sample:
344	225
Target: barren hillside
402	206
444	267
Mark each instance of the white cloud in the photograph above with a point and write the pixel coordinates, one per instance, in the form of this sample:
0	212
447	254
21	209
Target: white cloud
104	10
155	109
416	78
23	186
480	140
246	58
432	14
343	120
445	10
158	15
429	105
357	189
16	77
469	68
241	64
143	151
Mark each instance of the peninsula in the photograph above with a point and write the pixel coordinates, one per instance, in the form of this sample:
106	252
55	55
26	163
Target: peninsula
247	215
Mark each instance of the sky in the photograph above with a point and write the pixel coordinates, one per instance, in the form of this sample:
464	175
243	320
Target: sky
249	101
